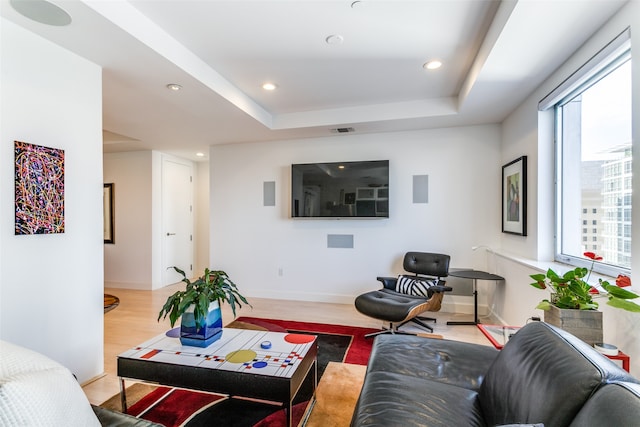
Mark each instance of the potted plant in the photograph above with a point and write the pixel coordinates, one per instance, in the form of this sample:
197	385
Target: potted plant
572	304
199	306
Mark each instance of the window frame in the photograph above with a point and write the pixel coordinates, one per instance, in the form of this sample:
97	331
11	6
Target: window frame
592	73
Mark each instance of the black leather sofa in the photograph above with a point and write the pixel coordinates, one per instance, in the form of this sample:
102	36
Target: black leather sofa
542	377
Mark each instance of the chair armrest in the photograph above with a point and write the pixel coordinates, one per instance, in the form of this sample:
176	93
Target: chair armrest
440	288
388	282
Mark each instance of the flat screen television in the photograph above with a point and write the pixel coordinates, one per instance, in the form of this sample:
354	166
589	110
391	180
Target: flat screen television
340	190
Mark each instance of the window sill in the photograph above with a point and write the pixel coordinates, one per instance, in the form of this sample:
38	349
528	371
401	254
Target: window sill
543	266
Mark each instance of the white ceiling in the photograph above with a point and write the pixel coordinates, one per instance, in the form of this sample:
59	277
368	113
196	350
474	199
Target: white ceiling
495	53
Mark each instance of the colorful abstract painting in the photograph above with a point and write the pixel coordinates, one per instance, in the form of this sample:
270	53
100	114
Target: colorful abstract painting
39	189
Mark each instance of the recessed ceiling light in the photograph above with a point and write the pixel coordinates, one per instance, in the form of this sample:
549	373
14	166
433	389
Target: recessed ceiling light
432	65
174	87
269	86
42	11
199	154
334	39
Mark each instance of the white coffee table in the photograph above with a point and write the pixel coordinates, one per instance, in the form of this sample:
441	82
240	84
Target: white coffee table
240	363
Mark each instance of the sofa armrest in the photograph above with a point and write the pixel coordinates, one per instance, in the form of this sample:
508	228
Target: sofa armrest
111	418
542	357
614	404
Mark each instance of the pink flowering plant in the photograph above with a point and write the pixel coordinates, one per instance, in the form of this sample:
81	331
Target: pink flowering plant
572	290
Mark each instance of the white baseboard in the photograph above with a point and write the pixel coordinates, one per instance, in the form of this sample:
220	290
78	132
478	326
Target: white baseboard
304	296
450	304
128	285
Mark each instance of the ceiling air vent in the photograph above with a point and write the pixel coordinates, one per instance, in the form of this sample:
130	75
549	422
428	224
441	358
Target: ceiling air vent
342	130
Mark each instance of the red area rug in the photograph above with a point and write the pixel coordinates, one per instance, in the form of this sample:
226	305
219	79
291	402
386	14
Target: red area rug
171	406
176	407
357	352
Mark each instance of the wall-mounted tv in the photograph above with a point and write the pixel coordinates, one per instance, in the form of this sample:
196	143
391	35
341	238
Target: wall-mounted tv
340	190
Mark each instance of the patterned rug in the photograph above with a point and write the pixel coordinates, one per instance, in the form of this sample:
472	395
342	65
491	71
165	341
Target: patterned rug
176	407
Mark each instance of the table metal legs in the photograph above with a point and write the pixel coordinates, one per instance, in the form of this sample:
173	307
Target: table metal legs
123	396
289	408
475	320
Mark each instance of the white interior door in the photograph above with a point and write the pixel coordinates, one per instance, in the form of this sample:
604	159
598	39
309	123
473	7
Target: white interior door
177	220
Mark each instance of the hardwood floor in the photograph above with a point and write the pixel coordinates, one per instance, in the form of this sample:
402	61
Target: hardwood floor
135	321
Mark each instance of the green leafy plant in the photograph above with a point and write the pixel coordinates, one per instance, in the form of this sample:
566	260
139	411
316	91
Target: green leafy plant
213	285
572	290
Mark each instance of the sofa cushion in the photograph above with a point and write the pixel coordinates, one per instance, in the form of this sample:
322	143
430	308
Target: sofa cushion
450	362
536	371
391	399
615	404
37	391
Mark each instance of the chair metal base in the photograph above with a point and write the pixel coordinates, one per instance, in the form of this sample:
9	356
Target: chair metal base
419	320
390	330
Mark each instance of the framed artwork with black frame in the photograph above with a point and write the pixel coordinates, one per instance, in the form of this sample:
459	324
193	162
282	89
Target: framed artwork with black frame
514	197
107	203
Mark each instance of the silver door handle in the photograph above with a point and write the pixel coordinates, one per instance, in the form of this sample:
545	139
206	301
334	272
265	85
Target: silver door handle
171	234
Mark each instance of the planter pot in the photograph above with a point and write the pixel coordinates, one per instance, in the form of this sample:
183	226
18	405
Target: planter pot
202	336
584	324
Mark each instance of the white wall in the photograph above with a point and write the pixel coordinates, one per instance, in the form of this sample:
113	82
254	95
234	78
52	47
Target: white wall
529	132
51	286
201	209
135	260
253	243
127	262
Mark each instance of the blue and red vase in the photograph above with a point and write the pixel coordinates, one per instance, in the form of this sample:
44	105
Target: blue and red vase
203	335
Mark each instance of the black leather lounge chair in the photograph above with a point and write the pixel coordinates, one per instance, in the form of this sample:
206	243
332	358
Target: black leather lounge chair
402	299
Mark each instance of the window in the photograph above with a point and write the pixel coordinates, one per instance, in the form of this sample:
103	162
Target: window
593	160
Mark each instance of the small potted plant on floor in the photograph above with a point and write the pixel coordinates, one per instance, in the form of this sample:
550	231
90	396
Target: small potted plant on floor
199	306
